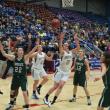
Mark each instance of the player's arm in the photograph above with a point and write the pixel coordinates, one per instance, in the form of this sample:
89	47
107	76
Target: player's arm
103	72
73	67
8	56
87	68
61	36
49	58
27	56
77	44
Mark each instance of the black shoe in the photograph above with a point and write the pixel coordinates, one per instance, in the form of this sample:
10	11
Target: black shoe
38	90
1	92
4	77
26	107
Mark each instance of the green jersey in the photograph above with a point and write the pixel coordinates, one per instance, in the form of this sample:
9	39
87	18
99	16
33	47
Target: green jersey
19	67
80	67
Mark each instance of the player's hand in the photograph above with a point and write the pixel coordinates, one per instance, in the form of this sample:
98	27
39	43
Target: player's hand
96	79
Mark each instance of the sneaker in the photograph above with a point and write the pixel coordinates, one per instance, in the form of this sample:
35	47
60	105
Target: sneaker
45	101
25	107
34	96
1	92
38	90
73	99
9	107
89	102
49	104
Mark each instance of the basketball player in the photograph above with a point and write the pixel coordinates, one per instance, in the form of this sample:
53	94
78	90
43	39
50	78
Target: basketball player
19	76
82	72
38	70
105	75
63	71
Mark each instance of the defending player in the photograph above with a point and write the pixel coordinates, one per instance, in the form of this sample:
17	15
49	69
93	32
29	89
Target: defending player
19	76
82	72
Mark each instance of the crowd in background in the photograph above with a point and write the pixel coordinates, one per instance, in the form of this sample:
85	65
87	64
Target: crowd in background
23	27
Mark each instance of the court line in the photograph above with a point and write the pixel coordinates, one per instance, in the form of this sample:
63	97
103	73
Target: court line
35	105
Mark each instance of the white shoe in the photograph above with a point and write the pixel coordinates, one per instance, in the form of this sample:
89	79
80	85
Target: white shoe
49	104
9	107
89	102
73	99
45	101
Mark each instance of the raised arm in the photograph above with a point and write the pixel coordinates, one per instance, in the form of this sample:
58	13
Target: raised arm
27	56
61	36
8	56
77	43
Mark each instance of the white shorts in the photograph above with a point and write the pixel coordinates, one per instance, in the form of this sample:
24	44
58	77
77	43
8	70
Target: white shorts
61	76
38	73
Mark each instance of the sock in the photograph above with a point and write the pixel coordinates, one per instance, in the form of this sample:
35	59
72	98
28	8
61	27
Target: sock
39	86
88	97
12	98
15	99
34	92
54	99
47	97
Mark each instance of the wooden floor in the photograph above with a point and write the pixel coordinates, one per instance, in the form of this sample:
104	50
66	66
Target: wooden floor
95	89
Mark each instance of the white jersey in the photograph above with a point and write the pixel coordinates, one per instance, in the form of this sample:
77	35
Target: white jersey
66	62
38	61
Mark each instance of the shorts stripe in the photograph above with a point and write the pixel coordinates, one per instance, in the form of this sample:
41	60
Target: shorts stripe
102	99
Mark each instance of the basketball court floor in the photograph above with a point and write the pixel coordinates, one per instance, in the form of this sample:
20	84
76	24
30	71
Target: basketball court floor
62	103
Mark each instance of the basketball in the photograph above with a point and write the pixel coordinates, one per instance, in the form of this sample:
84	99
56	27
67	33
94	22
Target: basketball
55	23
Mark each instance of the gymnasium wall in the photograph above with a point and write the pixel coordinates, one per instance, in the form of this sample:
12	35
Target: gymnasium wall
95	6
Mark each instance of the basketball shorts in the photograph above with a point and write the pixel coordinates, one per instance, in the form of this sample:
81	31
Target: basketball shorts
61	76
79	80
38	73
19	81
105	98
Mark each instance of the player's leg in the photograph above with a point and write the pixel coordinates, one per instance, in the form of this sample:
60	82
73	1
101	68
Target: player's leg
25	95
44	81
75	83
51	90
83	83
14	86
58	91
104	100
36	78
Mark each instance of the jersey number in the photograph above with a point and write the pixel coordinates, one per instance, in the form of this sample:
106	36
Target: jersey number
78	68
18	69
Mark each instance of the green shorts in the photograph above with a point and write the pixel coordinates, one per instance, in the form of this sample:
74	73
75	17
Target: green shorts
105	98
79	80
19	81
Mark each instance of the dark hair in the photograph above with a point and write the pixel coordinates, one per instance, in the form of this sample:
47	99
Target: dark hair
107	58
